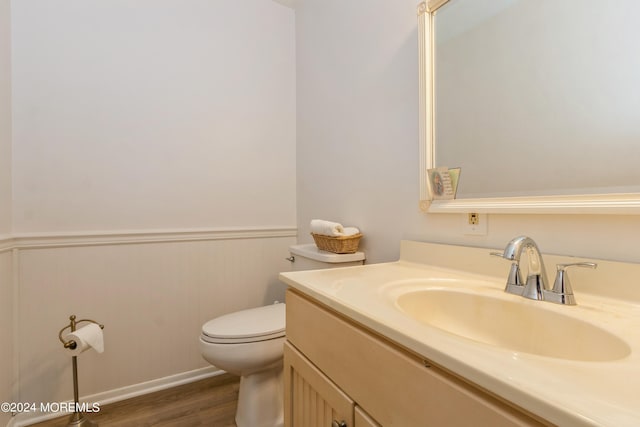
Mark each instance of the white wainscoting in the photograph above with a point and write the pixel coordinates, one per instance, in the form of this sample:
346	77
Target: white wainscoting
7	362
151	290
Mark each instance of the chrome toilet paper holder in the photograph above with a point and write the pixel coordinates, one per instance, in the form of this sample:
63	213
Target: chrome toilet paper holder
77	419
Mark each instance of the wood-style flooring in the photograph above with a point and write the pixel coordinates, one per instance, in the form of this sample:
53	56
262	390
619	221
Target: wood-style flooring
210	402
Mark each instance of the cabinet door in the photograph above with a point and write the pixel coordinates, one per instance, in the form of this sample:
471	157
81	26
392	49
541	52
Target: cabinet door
310	398
362	419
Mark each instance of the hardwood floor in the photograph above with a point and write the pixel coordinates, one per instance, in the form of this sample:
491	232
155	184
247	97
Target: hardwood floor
210	402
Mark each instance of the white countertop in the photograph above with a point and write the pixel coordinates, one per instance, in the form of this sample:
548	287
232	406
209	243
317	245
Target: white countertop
564	392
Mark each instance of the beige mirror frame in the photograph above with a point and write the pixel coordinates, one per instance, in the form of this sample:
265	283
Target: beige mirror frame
626	203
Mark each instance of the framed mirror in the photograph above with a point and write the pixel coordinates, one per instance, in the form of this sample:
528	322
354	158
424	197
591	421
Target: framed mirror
535	100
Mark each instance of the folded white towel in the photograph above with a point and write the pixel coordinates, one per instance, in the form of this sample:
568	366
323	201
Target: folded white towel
329	228
326	228
351	231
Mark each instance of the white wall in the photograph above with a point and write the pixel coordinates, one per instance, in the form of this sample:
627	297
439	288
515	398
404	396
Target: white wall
5	117
358	112
6	259
357	119
152	114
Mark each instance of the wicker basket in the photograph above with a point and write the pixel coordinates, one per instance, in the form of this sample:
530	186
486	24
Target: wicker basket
339	244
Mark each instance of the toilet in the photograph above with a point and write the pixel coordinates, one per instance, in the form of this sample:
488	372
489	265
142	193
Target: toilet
249	343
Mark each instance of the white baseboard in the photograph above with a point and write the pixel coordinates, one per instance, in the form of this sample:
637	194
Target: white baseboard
116	395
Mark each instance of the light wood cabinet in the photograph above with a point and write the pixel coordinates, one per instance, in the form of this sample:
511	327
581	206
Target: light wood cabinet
362	419
338	370
311	399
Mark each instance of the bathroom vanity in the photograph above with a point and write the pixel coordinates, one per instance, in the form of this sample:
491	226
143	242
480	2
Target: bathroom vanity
331	363
365	348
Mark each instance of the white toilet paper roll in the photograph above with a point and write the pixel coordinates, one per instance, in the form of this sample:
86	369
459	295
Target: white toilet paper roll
86	337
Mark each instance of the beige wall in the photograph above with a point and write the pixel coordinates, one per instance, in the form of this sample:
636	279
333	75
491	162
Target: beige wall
357	92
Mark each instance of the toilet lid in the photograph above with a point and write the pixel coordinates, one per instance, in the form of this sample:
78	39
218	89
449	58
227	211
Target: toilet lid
254	324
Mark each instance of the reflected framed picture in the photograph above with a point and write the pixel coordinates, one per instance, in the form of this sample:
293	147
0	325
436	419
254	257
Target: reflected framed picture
443	182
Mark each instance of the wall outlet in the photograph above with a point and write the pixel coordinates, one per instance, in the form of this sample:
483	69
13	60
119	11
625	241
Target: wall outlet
475	224
473	219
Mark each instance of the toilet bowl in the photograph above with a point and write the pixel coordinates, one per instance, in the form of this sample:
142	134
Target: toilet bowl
249	343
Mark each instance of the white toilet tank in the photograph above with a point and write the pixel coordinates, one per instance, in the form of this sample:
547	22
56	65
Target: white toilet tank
309	257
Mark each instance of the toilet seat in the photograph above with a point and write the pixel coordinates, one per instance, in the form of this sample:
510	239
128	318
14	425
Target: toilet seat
246	326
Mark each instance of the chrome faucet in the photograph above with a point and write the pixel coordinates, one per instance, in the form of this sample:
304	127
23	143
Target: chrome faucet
535	287
536	283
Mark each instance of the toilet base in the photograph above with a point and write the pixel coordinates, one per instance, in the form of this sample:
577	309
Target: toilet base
260	399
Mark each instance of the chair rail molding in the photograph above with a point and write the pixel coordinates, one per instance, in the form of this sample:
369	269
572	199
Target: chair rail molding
6	243
120	237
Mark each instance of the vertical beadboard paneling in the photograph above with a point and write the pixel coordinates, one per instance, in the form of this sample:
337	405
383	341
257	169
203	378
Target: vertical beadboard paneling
309	408
152	297
6	331
310	398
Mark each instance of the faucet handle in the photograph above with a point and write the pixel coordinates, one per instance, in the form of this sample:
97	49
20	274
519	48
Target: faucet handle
562	293
577	264
515	284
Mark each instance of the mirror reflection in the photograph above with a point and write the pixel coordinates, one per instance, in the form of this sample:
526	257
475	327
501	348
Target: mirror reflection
538	97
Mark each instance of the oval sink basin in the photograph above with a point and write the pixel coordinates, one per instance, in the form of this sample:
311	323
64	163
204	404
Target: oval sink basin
513	325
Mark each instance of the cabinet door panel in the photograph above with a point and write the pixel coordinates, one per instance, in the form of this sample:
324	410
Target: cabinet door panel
311	399
362	419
